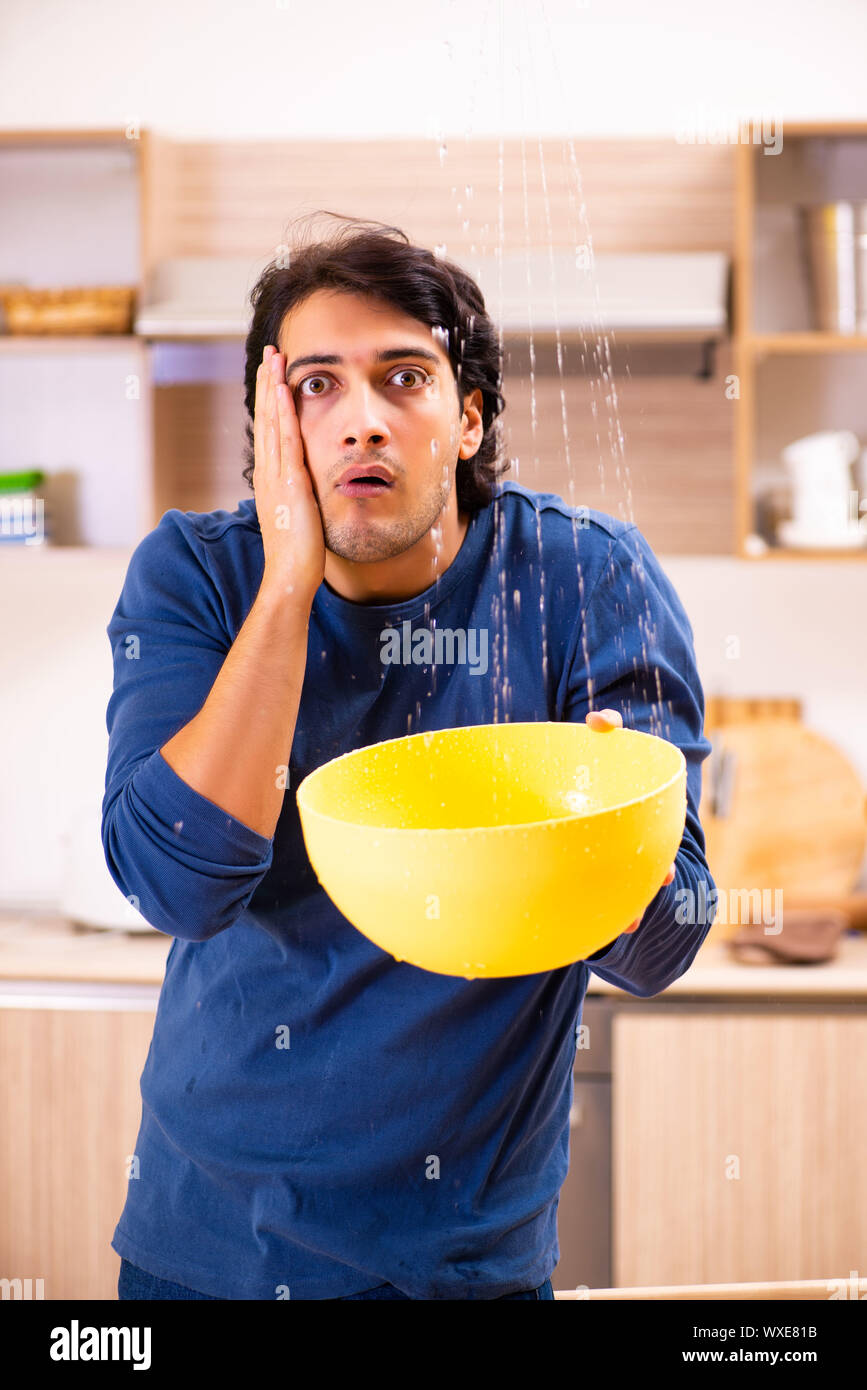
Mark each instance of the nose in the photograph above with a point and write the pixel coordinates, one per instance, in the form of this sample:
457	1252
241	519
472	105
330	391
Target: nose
366	422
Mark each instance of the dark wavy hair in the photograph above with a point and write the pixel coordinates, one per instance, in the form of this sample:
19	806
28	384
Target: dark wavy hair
379	261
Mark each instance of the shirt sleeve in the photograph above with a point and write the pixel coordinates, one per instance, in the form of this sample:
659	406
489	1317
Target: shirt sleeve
634	652
187	865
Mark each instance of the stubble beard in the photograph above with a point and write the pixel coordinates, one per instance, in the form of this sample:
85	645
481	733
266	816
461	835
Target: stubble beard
383	539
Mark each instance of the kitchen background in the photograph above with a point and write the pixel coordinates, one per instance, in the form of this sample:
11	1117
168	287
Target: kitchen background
164	151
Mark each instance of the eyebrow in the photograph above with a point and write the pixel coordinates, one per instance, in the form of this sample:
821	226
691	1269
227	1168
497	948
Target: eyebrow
386	355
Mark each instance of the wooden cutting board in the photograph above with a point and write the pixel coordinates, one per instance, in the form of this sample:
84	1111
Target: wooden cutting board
782	807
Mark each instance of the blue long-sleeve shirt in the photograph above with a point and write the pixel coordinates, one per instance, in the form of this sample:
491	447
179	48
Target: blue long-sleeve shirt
318	1118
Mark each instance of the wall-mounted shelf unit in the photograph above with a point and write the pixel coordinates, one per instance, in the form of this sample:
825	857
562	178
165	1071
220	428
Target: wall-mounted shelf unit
76	408
613	418
793	378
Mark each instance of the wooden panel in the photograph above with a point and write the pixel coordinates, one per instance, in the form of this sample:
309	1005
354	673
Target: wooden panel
71	1106
159	196
236	198
785	1096
671	472
198	447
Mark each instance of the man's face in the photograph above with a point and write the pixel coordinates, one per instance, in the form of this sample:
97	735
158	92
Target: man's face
404	413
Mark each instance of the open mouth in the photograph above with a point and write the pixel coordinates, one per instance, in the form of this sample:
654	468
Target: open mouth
365	485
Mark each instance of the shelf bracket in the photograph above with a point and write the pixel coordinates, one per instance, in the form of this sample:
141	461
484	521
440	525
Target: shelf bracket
708	350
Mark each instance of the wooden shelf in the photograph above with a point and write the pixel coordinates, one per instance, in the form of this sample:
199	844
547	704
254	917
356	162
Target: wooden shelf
804	129
109	136
14	343
778	553
89	393
762	344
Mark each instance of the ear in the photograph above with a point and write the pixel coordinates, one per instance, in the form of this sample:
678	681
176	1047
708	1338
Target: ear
472	425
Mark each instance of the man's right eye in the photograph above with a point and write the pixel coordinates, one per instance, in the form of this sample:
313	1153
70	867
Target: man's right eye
319	376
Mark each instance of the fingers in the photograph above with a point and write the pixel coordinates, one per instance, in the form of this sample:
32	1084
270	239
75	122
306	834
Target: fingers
669	878
604	719
259	412
265	426
272	422
291	448
283	447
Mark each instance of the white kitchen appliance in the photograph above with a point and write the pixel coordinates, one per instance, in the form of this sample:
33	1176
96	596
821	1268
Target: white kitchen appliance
820	471
89	895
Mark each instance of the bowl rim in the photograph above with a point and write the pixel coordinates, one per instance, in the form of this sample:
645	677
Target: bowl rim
549	822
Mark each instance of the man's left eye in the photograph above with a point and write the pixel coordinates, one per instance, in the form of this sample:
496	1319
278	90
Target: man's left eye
417	371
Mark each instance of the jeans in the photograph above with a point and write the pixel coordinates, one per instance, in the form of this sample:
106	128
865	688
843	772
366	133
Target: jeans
135	1283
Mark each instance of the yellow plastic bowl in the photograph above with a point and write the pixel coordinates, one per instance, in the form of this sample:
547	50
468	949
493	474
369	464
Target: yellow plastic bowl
498	849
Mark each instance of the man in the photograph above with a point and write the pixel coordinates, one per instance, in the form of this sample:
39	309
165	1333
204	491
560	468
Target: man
319	1120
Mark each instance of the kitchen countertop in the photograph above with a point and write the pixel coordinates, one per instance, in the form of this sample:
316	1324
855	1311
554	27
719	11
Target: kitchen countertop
44	947
716	974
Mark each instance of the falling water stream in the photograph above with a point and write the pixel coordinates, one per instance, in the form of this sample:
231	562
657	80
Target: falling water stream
594	352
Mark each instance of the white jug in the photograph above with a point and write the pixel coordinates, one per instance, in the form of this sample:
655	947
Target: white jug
820	470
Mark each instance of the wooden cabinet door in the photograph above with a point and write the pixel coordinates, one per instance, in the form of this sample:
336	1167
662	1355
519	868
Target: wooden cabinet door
738	1144
70	1106
584	1209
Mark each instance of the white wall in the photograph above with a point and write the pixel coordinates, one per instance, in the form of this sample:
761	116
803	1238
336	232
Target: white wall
204	68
